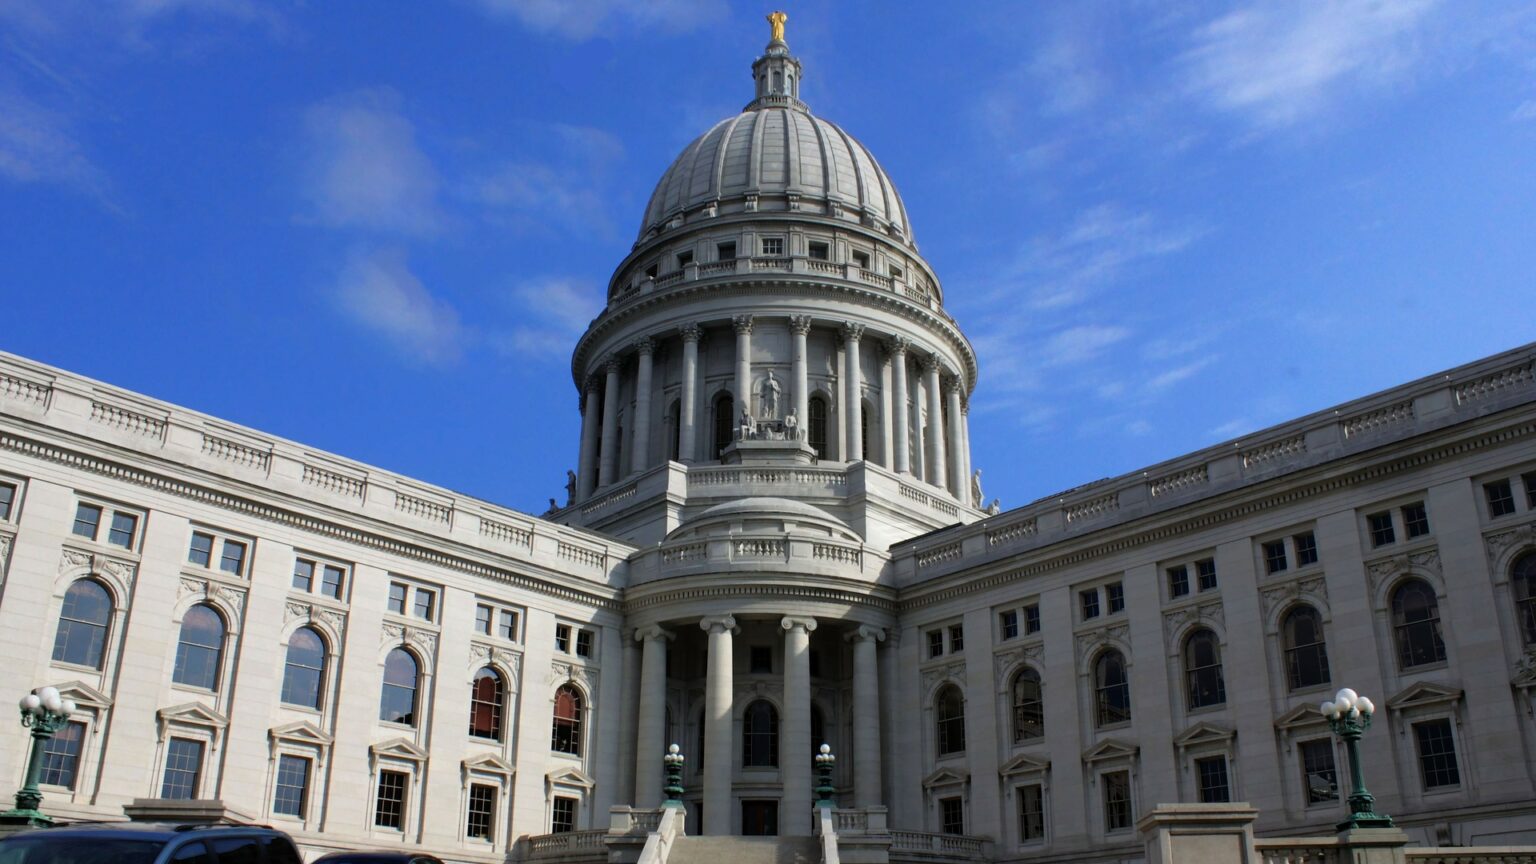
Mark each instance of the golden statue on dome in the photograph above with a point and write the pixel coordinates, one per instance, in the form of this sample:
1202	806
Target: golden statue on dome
776	21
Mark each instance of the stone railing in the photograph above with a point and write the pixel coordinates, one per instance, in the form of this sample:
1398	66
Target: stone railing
943	845
1290	850
827	825
809	479
930	501
917	291
569	846
593	505
1473	855
637	836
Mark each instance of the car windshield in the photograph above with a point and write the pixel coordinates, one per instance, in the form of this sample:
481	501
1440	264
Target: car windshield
45	849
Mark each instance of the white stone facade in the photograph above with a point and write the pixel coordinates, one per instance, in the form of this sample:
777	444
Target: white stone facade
751	587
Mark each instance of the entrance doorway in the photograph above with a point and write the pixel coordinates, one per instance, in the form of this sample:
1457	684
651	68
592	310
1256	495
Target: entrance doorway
760	818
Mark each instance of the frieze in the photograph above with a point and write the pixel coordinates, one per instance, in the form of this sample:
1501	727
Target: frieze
1177	619
1088	642
1385	568
1283	594
1497	544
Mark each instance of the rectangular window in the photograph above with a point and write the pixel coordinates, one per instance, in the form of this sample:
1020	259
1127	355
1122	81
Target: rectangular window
860	259
61	755
1306	549
397	592
583	643
425	600
303	574
935	643
7	500
508	627
773	245
725	251
684	259
1319	777
651	271
482	807
1274	556
818	251
1008	621
1031	812
233	559
562	818
292	790
1437	754
121	532
1090	603
1032	618
761	660
1501	500
1114	594
200	552
1117	801
1205	574
1178	581
563	638
183	764
1415	520
1381	529
331	579
483	614
956	638
1529	479
1212	773
88	519
389	809
895	271
952	814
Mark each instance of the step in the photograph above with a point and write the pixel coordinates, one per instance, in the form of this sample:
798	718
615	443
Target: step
745	850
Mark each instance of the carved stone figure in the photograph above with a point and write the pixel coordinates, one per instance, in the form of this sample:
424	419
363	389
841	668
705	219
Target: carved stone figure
768	397
791	426
976	497
776	24
995	507
745	433
570	487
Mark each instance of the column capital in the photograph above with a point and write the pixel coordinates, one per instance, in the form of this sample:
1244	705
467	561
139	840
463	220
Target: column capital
743	325
594	385
952	386
865	633
897	346
654	631
932	363
644	345
613	364
718	624
691	332
800	324
853	332
791	622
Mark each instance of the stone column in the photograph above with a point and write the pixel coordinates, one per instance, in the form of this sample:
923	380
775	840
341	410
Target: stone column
958	481
853	394
866	716
965	450
651	720
743	325
799	326
640	453
886	413
935	431
608	467
586	469
795	744
897	347
919	436
688	409
629	695
720	743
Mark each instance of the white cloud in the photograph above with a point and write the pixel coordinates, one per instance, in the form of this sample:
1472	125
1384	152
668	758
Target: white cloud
365	169
1277	63
1068	267
1164	380
568	190
1077	345
39	146
1524	111
378	290
554	313
579	21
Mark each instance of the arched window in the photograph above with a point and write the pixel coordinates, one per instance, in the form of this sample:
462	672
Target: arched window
1202	670
760	736
949	718
1306	655
1522	575
1416	620
816	424
304	670
675	431
200	648
485	697
397	703
1028	710
566	735
1112	692
82	636
725	422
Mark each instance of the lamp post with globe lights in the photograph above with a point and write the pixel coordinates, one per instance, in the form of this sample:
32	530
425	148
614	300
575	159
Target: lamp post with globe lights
673	760
45	712
1349	715
824	788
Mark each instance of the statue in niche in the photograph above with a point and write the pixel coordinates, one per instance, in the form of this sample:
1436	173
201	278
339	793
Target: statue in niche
977	498
768	397
570	487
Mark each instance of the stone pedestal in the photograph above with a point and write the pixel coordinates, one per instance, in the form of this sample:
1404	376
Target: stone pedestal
1199	834
768	452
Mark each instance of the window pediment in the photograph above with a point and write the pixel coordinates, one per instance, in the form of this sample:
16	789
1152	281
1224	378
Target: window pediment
1423	694
300	732
945	777
1025	765
569	777
398	748
1110	749
84	695
1204	733
489	763
192	714
1302	716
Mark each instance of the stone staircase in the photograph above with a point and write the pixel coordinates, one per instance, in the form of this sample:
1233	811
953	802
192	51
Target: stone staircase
745	850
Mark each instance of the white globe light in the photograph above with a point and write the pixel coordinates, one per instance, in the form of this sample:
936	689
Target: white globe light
1354	713
826	748
1346	696
1326	708
1366	706
52	702
30	703
673	748
47	694
69	706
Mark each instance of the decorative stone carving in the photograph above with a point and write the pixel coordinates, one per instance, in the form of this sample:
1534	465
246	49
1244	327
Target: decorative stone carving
613	364
951	671
644	345
561	671
768	392
742	324
897	346
294	611
852	332
1091	641
1178	619
1385	568
800	324
1525	670
426	640
482	654
1314	588
122	571
191	586
1524	535
691	332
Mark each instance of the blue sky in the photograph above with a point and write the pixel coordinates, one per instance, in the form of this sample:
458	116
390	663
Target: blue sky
377	228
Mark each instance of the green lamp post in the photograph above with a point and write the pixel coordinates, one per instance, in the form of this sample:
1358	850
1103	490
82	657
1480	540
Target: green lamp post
44	712
1349	715
673	761
824	788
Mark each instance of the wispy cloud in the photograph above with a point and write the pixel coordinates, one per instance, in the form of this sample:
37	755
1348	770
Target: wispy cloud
1525	111
365	168
1068	267
569	190
1081	344
1277	63
377	289
1168	378
553	313
580	21
38	145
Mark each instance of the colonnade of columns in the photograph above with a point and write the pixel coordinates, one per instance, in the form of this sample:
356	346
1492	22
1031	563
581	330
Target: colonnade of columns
942	450
720	741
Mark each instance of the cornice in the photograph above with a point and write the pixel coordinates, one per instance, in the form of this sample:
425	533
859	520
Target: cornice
206	495
880	599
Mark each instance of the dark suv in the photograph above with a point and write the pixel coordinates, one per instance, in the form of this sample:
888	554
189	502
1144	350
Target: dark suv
149	843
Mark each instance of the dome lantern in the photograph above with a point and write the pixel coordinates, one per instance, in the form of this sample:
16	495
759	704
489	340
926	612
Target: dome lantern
777	73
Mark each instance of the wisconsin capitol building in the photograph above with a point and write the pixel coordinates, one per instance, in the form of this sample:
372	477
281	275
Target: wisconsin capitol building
775	539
